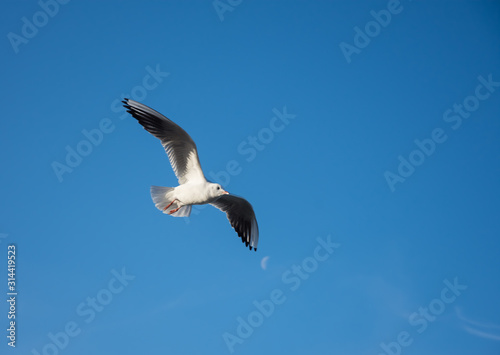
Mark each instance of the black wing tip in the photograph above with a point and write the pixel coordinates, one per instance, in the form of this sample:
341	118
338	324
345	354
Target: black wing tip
126	105
130	109
244	240
247	243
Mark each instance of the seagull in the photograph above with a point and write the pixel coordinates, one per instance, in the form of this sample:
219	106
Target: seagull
193	189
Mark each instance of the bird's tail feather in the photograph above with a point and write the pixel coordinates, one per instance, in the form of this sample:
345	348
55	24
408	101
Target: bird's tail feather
162	196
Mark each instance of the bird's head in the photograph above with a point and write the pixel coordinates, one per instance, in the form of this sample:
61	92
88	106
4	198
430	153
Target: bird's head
217	190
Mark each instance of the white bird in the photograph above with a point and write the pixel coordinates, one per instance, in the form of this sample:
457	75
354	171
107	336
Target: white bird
193	189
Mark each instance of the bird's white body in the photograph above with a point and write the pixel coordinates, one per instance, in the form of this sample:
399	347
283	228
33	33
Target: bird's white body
177	201
194	193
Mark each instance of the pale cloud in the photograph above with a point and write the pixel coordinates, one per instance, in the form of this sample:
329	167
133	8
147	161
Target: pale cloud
481	329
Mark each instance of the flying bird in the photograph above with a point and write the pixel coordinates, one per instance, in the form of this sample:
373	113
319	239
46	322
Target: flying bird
193	189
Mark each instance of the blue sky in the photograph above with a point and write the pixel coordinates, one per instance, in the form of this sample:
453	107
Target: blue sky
365	134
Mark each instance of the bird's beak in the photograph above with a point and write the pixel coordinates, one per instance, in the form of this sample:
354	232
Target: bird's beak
225	192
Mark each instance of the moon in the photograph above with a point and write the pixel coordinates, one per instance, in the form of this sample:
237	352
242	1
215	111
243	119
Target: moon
263	262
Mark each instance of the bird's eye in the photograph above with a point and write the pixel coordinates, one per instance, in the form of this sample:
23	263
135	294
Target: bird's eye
218	187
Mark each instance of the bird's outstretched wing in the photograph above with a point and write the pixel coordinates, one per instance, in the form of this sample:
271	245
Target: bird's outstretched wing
180	147
242	218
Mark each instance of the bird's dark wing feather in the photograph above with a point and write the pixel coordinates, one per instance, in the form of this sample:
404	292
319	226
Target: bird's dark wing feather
180	147
242	218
